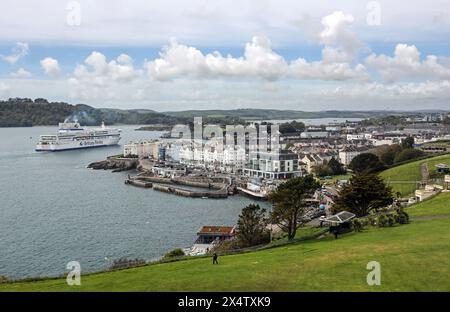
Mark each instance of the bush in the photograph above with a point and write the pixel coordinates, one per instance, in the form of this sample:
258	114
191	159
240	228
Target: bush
390	220
3	279
401	217
178	252
358	225
382	220
372	220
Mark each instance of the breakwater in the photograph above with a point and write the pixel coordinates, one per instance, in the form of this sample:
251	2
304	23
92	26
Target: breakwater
209	188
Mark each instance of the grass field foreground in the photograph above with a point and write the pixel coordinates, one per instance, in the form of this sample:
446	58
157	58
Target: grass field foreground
413	257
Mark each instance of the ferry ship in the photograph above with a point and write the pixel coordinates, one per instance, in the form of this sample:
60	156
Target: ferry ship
72	136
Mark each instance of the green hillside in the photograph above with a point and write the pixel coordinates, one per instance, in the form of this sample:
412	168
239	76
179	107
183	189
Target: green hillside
409	174
434	206
25	112
413	257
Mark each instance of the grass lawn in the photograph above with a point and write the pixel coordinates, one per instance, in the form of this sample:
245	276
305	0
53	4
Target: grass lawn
410	172
413	257
335	178
305	232
437	205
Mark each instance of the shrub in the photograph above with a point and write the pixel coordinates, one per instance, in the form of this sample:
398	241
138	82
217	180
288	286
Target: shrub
358	225
372	220
382	220
178	252
390	220
3	279
401	217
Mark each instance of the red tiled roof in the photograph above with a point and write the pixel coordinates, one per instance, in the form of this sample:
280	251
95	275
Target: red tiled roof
216	229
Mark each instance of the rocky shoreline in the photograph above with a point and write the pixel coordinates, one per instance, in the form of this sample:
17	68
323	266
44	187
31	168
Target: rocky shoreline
211	187
116	164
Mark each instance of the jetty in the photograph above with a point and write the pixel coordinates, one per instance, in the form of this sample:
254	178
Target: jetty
204	187
257	195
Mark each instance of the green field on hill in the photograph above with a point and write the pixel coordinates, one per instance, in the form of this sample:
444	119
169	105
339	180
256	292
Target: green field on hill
410	173
413	257
434	206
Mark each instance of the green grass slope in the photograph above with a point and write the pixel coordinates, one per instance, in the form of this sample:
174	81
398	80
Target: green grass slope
410	173
438	205
413	257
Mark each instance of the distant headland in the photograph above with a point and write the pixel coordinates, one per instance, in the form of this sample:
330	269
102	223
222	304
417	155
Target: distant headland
26	112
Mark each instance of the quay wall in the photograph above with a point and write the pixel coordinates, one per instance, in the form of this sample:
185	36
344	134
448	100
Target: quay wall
188	193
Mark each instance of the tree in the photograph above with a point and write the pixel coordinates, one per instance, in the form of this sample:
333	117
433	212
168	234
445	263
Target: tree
387	153
364	193
322	170
251	226
336	167
366	163
291	127
290	203
408	142
407	154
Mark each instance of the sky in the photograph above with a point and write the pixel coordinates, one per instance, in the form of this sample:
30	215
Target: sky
225	54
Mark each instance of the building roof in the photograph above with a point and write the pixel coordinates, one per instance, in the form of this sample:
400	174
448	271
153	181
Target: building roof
352	148
218	230
341	217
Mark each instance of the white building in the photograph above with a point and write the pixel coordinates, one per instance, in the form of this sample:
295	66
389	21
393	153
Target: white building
315	159
314	135
359	137
274	165
141	149
347	154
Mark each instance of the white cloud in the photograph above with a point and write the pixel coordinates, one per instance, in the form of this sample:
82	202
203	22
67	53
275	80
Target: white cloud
208	23
4	89
51	67
259	61
412	91
21	73
19	51
224	80
302	69
98	78
341	44
177	60
406	64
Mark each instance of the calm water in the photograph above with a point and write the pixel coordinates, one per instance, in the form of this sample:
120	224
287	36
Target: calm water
53	210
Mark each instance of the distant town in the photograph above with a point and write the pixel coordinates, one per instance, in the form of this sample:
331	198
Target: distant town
302	150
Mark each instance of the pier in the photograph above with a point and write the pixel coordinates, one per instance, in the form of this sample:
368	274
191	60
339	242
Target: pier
257	195
174	186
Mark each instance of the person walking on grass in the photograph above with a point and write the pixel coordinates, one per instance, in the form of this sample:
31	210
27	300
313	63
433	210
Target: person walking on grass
214	257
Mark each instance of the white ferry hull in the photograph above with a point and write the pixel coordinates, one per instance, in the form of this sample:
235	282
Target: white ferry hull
71	136
76	145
